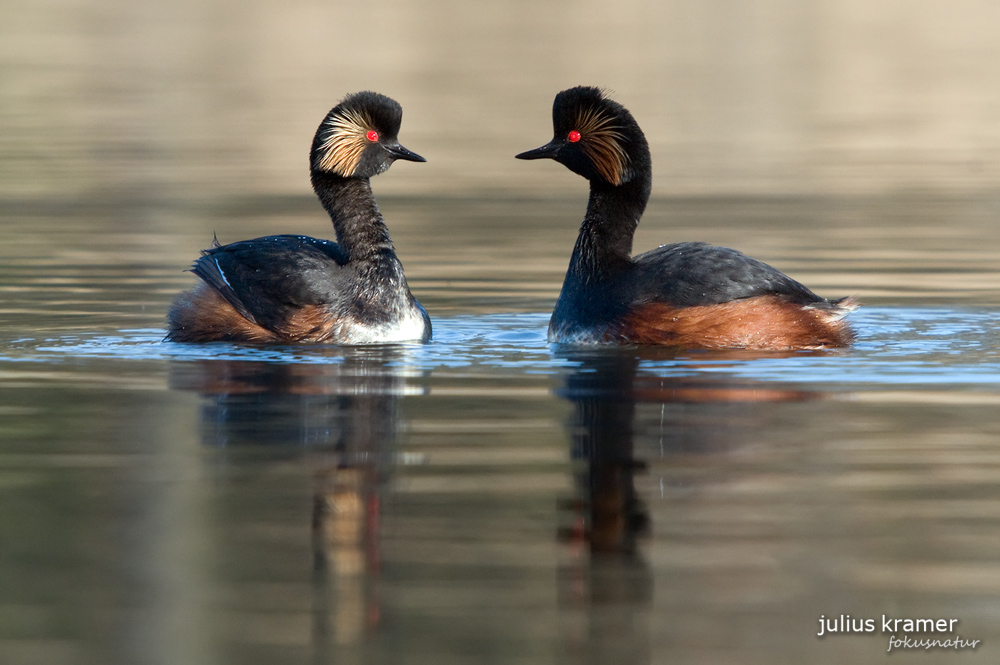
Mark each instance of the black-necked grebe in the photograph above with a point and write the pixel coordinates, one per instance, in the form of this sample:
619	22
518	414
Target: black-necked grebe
686	294
290	288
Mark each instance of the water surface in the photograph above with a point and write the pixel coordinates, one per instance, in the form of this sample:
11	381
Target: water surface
488	497
490	493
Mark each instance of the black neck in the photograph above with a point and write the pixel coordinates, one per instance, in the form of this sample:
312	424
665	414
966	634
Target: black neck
604	245
361	231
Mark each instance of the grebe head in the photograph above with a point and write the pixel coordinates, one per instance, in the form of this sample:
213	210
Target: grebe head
595	137
357	139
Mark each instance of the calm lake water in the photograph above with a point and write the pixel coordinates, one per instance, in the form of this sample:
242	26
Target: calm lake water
488	497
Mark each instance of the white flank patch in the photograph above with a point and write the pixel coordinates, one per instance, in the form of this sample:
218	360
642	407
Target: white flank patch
562	335
408	327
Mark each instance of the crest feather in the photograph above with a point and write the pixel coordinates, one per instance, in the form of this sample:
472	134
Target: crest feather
601	139
345	141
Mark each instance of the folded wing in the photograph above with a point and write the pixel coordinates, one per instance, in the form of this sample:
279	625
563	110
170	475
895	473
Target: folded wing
268	279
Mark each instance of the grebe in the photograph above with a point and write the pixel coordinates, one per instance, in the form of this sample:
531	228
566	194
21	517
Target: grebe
292	288
688	294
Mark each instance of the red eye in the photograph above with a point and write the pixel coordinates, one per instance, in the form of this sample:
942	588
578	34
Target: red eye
573	136
372	135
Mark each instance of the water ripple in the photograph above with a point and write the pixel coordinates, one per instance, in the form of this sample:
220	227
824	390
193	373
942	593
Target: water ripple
895	346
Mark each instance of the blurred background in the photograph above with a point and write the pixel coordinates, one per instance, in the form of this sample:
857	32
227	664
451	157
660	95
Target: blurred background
183	99
439	503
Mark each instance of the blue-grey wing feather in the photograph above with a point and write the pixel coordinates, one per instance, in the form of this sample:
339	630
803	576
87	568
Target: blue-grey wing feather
266	279
691	274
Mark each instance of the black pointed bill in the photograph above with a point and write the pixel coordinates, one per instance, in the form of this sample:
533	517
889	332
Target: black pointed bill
399	152
547	151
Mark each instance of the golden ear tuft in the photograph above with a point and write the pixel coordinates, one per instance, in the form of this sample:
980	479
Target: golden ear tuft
341	151
601	142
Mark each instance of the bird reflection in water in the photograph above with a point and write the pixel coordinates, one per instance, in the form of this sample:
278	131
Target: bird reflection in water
340	412
615	429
